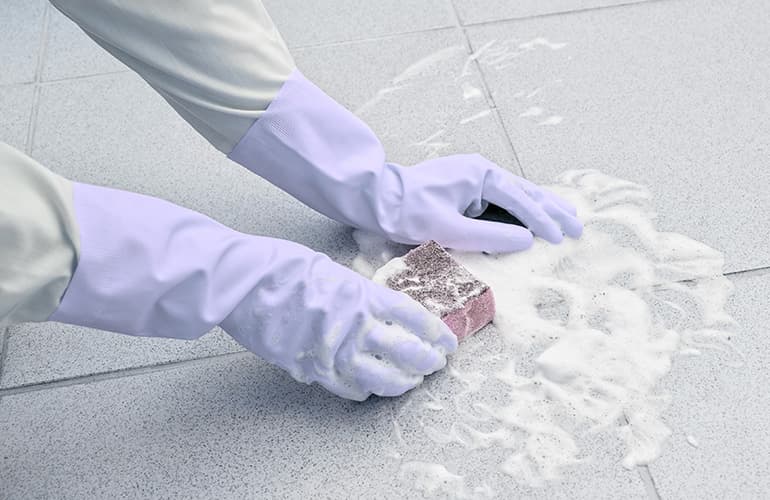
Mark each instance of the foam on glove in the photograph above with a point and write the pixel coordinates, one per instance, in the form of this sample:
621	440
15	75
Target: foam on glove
433	278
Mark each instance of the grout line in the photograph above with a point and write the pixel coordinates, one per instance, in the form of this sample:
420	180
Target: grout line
644	474
649	482
759	271
32	119
559	13
41	52
4	334
64	79
124	373
43	43
487	90
388	36
84	77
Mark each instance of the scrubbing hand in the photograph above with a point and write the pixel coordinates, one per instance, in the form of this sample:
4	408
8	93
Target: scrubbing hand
151	268
324	323
312	147
438	200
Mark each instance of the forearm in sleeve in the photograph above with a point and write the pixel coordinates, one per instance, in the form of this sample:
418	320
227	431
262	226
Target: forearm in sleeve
219	63
38	238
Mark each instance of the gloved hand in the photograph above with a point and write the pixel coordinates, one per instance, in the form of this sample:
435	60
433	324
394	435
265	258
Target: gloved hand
324	323
310	146
148	267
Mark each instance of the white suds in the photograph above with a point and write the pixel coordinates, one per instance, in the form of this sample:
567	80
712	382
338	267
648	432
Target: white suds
470	92
552	120
584	332
432	144
533	111
534	92
433	479
480	114
541	42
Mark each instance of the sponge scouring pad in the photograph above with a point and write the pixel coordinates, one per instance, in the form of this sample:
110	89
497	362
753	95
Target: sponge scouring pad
433	278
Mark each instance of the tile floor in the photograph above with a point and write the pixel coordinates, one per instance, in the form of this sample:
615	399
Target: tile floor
672	94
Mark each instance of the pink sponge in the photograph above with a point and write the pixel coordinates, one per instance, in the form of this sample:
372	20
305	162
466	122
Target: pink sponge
432	277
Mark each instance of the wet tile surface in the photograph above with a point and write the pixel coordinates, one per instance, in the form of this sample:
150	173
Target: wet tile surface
232	428
651	94
718	413
416	92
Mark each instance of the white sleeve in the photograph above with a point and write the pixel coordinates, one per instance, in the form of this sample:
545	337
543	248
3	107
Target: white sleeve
219	63
38	238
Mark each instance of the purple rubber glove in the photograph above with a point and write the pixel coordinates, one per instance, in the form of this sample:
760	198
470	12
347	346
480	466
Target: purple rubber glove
148	267
310	146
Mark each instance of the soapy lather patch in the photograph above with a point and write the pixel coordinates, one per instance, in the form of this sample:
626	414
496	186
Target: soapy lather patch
584	332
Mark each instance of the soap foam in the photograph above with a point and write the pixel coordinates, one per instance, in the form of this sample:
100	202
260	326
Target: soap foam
584	330
583	334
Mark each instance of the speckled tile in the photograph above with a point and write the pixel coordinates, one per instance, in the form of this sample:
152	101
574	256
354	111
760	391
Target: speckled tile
235	428
228	428
722	409
44	352
15	110
479	11
416	92
672	95
314	23
71	53
21	28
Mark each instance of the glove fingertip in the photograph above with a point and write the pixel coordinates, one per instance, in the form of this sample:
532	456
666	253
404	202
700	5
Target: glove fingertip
491	237
451	343
554	236
522	239
574	230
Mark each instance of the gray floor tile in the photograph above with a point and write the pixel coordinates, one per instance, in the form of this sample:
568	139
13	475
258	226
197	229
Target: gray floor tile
15	109
723	410
21	26
414	93
236	428
71	53
672	95
44	352
313	23
231	428
479	11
